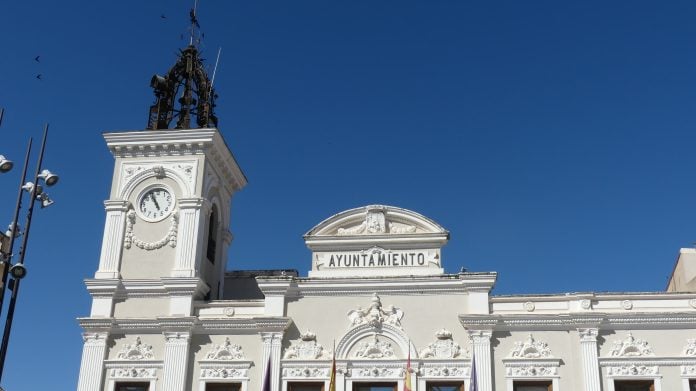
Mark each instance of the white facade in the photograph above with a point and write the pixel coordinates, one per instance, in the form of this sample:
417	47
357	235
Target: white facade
162	315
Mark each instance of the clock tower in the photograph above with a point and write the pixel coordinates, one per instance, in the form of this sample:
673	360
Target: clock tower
167	215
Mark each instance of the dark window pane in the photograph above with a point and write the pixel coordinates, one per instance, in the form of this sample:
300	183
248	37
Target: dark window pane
222	387
132	387
532	386
444	386
374	386
633	385
305	386
692	385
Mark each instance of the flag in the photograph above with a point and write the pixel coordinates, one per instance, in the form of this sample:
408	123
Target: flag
332	377
473	383
267	377
407	375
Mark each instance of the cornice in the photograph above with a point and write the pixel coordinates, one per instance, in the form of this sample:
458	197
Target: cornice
408	285
180	142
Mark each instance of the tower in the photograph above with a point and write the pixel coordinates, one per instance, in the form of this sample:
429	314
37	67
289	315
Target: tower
165	238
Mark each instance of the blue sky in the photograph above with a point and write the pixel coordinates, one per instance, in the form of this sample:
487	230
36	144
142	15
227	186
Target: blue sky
553	139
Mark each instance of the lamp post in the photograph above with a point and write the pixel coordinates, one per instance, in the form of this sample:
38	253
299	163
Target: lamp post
18	270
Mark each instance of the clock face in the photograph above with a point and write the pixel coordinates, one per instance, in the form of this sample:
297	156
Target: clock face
156	204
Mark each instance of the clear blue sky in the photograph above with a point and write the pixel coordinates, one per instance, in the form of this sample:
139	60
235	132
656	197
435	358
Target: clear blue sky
554	141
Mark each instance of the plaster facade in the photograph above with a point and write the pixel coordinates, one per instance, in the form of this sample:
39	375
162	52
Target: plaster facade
375	296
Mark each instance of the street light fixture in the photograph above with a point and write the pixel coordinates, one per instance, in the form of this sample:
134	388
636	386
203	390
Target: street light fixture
49	178
5	164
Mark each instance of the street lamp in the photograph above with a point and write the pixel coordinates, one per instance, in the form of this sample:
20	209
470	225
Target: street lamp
5	164
18	270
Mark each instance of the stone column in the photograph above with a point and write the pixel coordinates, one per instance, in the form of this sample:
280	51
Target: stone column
112	242
590	362
189	246
271	349
176	349
481	343
92	366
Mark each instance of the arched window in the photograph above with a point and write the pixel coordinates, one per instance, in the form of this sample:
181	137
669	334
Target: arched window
212	235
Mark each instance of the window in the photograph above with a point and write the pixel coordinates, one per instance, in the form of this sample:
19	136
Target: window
532	386
222	387
692	385
374	386
305	386
132	386
634	385
444	386
212	235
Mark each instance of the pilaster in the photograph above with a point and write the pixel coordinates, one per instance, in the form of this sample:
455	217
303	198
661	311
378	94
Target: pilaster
191	231
481	343
176	350
92	365
271	349
589	358
112	242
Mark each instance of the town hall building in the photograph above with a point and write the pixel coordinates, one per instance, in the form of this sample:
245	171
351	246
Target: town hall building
167	316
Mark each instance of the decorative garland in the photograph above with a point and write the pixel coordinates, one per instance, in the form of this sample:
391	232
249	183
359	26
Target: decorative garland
169	238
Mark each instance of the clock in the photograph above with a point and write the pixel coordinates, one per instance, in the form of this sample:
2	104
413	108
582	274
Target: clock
155	204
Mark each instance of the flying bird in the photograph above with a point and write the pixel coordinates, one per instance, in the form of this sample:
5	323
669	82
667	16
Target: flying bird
37	58
39	76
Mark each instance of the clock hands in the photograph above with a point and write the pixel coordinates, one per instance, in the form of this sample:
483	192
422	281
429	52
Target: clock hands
154	199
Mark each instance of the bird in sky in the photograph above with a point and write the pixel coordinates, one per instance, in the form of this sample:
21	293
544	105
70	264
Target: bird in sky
37	58
163	16
39	76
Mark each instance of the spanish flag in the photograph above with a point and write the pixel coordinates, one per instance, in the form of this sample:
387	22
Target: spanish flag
332	378
407	374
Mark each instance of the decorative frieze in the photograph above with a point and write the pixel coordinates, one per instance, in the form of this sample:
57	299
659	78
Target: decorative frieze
633	370
374	315
133	372
223	373
690	348
446	371
379	372
306	372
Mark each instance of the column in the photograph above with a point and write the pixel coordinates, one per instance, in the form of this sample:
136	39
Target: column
590	363
176	350
112	242
481	343
189	244
92	365
271	349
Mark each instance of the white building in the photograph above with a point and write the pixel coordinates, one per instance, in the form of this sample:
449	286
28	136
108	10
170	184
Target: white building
166	316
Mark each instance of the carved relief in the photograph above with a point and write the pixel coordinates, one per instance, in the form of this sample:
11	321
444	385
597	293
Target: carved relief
633	370
374	315
380	372
690	348
375	224
133	372
223	373
443	347
375	349
446	371
226	351
131	173
136	351
530	349
631	347
306	372
536	370
168	239
306	348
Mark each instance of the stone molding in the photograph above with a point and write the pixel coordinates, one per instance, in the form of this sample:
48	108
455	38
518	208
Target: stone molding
306	348
225	352
135	351
356	334
631	347
530	349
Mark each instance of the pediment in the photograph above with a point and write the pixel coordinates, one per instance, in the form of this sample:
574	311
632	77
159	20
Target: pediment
376	240
376	220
